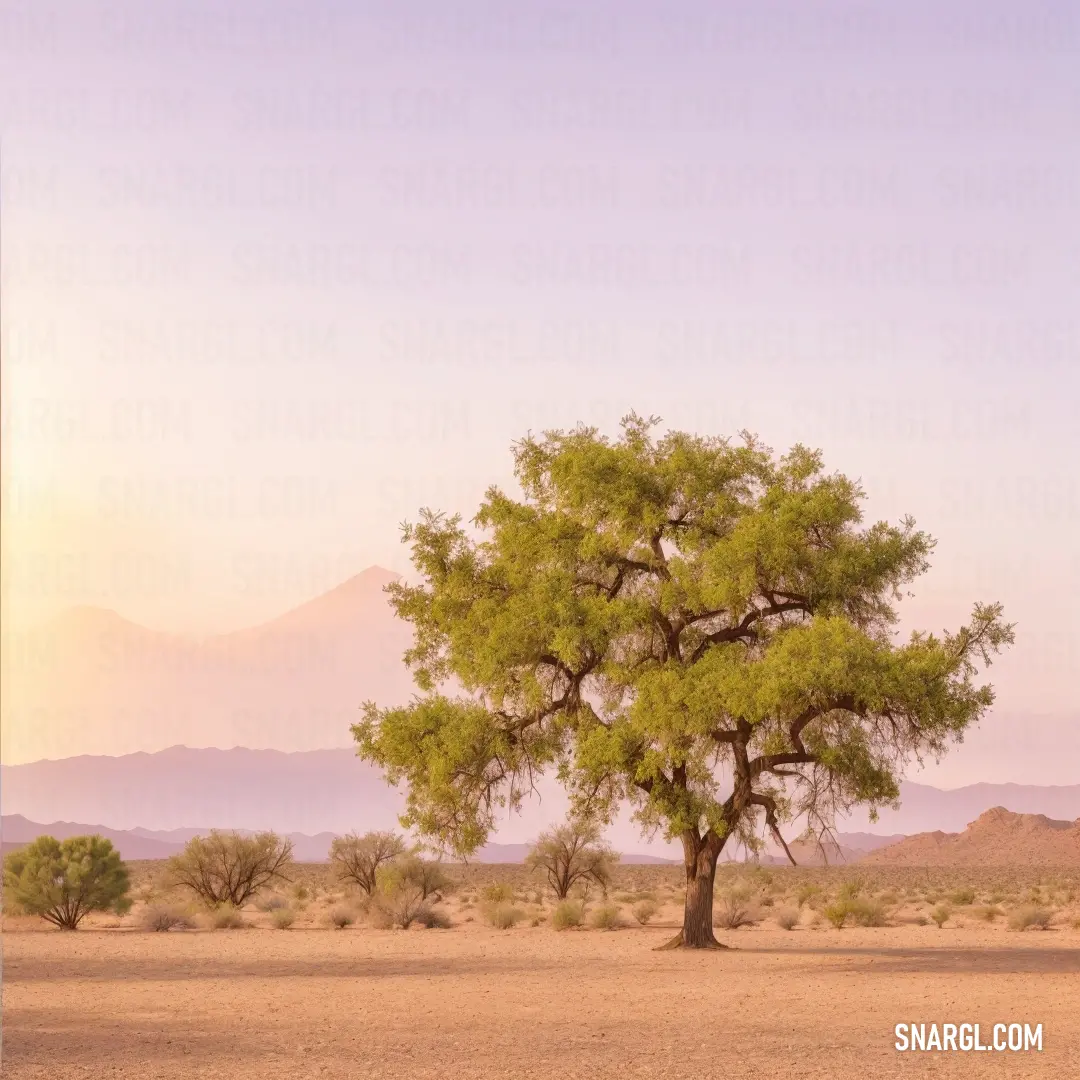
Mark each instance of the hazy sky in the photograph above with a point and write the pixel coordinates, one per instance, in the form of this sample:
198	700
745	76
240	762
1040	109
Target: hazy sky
275	276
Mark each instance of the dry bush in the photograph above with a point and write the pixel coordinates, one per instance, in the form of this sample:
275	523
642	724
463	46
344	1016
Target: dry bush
568	914
962	897
503	916
606	917
990	913
787	918
358	859
226	917
160	918
283	918
1030	917
340	917
734	909
941	915
228	868
432	918
837	913
573	855
497	892
272	903
644	910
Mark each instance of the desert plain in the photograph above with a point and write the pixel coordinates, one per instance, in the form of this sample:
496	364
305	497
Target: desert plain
472	1001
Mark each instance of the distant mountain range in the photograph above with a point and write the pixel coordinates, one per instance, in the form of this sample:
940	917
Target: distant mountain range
91	682
16	830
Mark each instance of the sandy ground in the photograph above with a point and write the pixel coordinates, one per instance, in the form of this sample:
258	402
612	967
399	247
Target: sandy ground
527	1003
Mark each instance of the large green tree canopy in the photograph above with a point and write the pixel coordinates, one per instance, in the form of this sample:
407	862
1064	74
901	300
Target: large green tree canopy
688	624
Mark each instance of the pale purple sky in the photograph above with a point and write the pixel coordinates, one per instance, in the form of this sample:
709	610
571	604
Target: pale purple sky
275	276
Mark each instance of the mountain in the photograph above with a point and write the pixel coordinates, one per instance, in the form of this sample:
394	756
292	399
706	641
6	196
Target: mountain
16	830
996	838
309	792
91	682
924	808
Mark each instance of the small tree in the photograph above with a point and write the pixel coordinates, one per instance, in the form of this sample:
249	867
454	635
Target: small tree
407	887
573	854
63	881
229	868
691	626
358	858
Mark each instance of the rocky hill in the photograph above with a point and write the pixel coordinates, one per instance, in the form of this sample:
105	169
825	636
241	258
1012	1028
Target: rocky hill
996	838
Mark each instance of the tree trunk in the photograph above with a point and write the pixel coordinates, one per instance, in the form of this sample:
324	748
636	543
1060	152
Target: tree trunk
699	857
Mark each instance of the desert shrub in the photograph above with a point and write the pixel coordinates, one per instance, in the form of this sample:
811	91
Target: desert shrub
837	913
787	918
283	918
503	916
568	914
644	910
625	898
300	892
358	859
867	912
1030	916
991	912
432	918
226	917
1075	924
806	893
497	892
160	918
962	897
272	902
229	868
733	910
64	880
941	915
606	917
340	917
573	855
409	872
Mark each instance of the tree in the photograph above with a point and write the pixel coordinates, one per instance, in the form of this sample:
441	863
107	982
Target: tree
571	854
63	881
358	858
426	877
688	624
230	868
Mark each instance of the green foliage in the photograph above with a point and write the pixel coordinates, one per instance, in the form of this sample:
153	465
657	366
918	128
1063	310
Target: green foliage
230	868
64	880
568	914
428	878
651	609
498	892
837	913
358	859
573	855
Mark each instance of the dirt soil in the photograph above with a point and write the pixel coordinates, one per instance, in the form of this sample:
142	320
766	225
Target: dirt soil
528	1003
